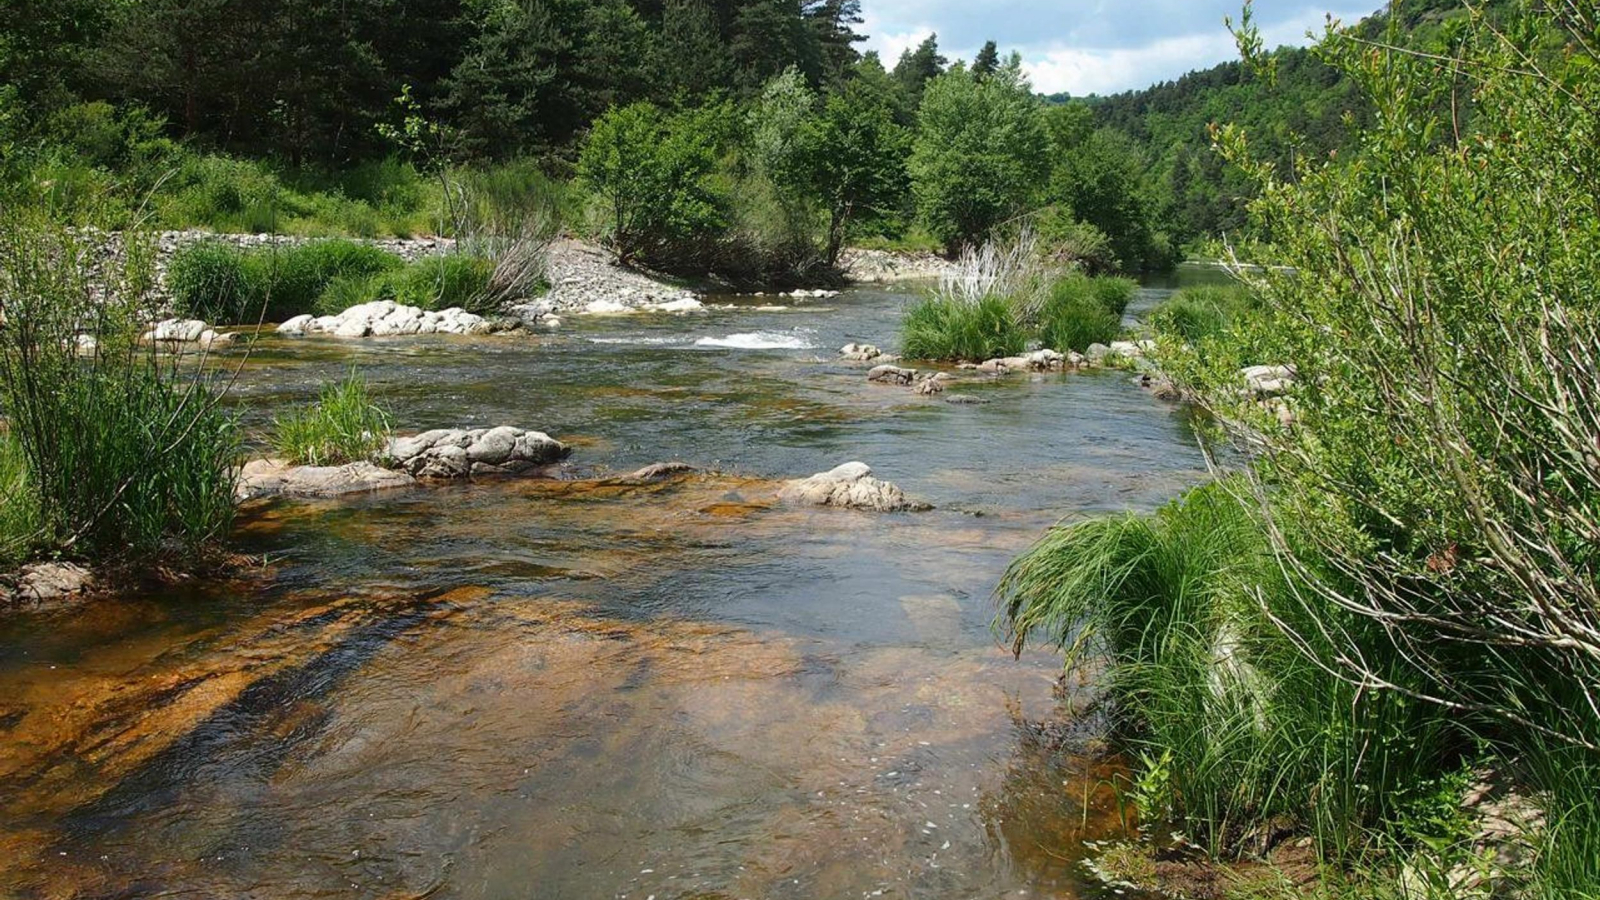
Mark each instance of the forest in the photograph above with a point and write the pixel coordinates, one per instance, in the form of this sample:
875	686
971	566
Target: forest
308	117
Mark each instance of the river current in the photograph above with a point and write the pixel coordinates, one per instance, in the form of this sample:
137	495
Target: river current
585	689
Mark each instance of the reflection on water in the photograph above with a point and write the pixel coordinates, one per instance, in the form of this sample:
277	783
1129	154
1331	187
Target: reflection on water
591	688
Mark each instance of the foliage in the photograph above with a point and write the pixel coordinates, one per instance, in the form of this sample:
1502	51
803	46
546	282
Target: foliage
344	425
125	456
650	172
1102	181
940	328
979	152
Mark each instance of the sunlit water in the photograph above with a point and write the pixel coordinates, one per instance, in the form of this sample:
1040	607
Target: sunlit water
588	689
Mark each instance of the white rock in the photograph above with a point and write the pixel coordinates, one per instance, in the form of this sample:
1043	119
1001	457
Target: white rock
296	325
676	306
606	308
850	486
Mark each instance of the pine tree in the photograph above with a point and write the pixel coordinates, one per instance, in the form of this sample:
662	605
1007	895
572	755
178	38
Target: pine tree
987	62
917	67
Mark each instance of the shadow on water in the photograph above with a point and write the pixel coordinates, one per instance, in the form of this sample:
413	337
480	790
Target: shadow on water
594	689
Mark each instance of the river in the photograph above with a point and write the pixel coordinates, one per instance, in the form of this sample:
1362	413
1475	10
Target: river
580	689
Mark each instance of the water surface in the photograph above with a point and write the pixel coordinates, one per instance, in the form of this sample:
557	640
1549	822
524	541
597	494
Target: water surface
593	689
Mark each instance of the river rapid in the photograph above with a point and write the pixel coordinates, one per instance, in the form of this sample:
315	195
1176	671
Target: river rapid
586	689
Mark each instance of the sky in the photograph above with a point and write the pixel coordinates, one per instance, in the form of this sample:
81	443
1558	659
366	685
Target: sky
1095	46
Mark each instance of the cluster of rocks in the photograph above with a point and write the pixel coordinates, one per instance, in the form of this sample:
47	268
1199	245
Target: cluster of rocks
408	249
850	486
385	318
175	332
443	454
585	278
883	266
1268	381
458	453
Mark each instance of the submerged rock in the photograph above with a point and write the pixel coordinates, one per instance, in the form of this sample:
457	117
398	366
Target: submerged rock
275	478
891	375
661	471
859	352
850	486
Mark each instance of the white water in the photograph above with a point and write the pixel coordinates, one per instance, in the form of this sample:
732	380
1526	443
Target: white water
757	340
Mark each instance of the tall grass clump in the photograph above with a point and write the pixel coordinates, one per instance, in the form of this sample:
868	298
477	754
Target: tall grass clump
943	328
1081	311
125	456
344	425
1206	312
222	284
1241	735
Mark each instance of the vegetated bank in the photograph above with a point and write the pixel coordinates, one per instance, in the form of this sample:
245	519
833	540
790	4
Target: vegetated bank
1378	636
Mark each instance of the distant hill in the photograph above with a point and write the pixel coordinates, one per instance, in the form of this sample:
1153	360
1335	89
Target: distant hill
1304	113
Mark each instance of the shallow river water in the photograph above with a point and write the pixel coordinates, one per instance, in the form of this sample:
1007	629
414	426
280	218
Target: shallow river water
583	689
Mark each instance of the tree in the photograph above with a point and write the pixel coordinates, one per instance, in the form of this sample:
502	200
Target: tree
1104	181
980	152
987	61
918	67
834	22
651	173
856	154
692	60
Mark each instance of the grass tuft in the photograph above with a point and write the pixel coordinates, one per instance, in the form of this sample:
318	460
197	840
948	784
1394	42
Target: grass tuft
949	329
344	425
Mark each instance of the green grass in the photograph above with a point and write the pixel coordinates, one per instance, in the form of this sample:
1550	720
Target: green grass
1081	311
950	329
1202	313
120	457
226	285
442	282
344	425
1234	726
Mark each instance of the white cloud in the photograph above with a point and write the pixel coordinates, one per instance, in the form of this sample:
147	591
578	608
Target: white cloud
1091	46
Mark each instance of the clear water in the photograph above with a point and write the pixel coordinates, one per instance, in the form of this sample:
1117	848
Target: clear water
586	689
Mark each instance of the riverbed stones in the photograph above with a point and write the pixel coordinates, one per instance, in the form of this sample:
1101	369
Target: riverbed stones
1268	381
175	331
451	453
263	478
859	352
887	374
1096	354
928	387
385	318
850	486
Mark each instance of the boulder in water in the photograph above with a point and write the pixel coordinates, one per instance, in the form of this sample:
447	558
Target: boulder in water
891	375
859	352
274	478
850	486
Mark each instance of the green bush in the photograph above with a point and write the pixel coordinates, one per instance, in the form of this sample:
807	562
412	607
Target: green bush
342	426
1081	311
651	174
296	276
949	329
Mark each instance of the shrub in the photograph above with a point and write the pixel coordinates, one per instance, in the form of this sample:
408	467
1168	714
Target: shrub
947	329
1080	311
126	456
342	426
